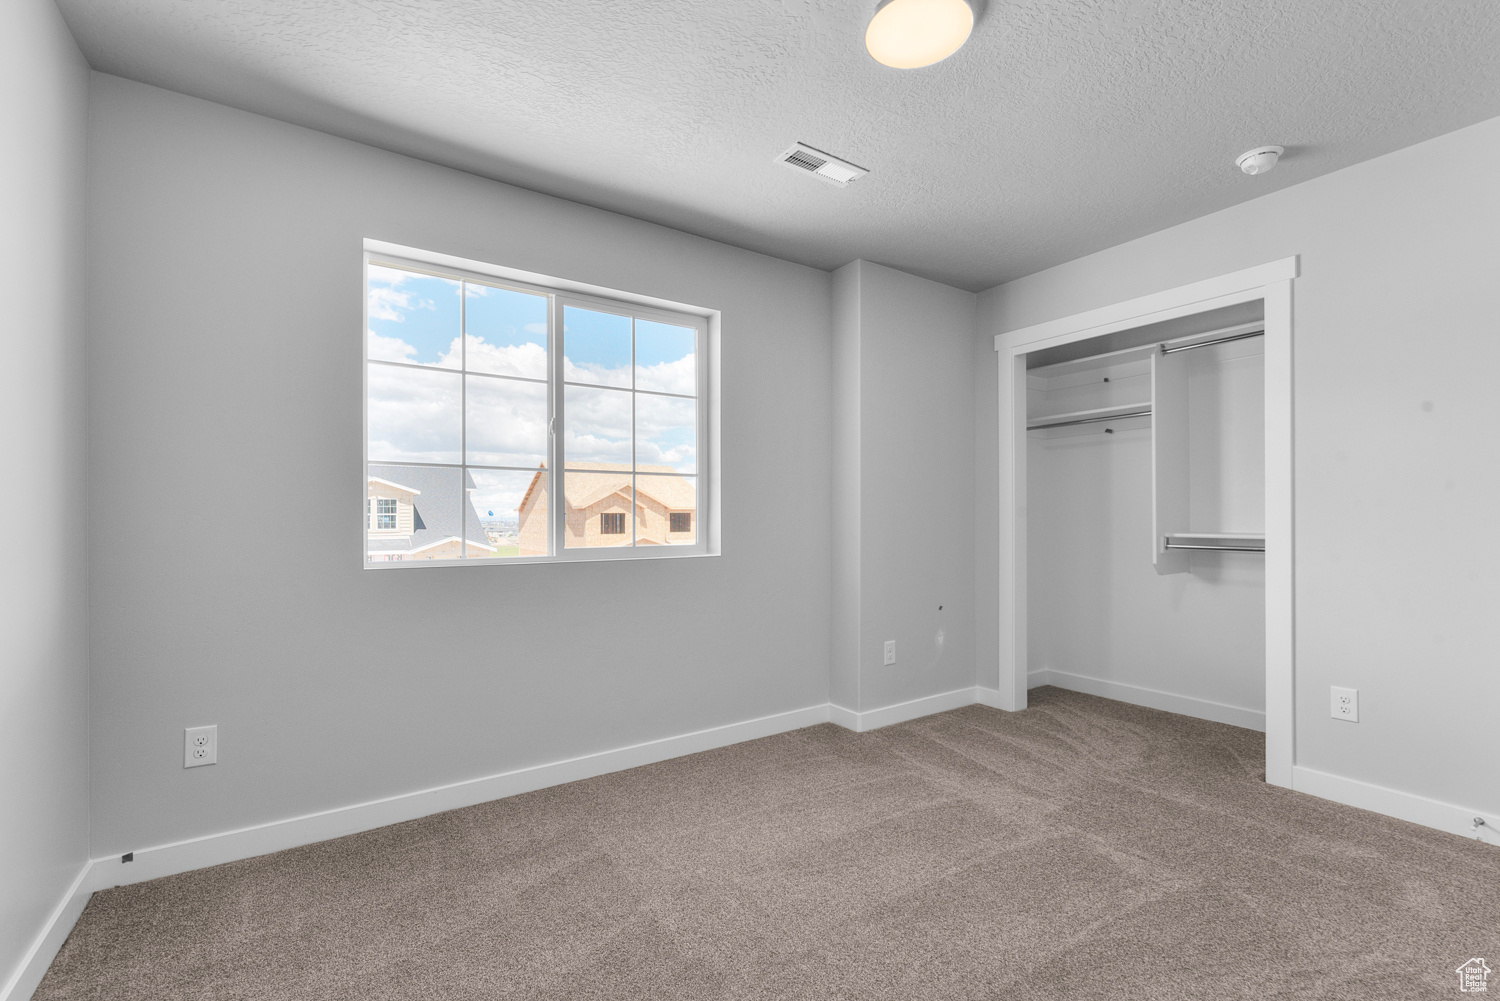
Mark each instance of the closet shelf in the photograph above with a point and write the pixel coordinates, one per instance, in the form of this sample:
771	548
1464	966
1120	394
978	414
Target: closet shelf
1089	416
1219	542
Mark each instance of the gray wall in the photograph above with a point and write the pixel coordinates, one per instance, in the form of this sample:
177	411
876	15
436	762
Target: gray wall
1397	341
905	482
225	469
43	592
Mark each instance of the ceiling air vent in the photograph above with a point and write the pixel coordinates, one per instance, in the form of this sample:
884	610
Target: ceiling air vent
822	166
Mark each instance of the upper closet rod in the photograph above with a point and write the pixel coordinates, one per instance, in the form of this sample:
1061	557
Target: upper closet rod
1217	340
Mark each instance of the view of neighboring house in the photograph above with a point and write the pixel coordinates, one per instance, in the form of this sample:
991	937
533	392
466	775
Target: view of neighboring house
420	513
597	503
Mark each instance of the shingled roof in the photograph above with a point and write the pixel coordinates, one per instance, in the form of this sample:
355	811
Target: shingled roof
437	514
587	483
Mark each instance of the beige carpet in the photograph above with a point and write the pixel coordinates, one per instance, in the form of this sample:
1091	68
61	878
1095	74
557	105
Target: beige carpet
1081	849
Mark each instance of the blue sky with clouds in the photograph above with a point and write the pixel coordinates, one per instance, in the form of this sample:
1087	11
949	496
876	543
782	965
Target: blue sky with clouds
414	416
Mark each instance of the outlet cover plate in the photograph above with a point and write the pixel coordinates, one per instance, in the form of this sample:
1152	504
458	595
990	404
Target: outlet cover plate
200	746
1344	704
890	652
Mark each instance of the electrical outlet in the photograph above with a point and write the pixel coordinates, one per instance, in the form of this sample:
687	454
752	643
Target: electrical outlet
890	652
1345	704
200	746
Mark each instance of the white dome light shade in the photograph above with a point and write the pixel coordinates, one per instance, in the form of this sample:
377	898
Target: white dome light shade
907	34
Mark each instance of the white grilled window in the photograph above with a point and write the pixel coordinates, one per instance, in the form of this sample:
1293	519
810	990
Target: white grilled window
531	423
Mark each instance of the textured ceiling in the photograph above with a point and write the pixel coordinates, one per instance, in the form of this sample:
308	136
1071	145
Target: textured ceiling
1063	127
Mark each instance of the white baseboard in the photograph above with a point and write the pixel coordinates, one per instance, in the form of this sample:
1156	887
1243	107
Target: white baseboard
1394	803
33	966
1183	705
846	718
988	697
874	719
261	839
182	856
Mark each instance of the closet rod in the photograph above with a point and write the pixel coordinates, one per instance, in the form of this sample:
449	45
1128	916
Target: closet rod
1089	420
1218	549
1217	340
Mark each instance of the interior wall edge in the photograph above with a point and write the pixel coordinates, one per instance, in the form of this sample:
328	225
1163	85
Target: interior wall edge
44	672
900	712
986	696
50	938
844	471
840	716
915	562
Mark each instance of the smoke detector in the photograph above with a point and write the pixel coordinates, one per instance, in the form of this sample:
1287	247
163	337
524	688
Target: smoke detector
824	167
1260	159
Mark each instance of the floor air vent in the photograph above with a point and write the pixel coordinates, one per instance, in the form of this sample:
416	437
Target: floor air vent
822	166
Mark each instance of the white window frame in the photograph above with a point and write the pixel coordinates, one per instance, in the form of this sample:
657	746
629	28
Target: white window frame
559	294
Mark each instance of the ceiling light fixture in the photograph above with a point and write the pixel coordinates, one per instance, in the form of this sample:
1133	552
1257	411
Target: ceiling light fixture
1260	159
907	34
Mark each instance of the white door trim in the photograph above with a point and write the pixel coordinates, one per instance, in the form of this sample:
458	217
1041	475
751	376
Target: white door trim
1271	283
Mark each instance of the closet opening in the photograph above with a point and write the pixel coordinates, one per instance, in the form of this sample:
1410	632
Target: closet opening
1146	505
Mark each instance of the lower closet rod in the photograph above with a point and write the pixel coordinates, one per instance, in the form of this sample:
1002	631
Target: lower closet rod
1219	549
1089	420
